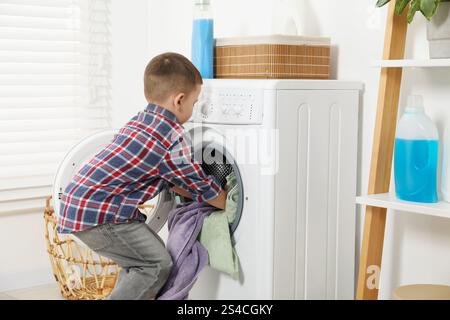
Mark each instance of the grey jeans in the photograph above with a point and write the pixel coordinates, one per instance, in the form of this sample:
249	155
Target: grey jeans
138	250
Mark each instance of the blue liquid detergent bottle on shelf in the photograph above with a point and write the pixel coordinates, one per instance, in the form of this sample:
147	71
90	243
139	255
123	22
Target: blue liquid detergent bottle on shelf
416	154
203	39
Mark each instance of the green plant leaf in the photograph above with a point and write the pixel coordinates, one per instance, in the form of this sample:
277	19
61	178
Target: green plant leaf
400	6
381	3
438	2
415	6
428	7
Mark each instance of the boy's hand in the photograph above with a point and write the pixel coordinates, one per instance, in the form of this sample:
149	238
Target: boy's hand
182	192
218	202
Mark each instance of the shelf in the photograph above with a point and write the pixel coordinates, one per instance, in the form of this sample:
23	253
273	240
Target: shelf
412	63
389	201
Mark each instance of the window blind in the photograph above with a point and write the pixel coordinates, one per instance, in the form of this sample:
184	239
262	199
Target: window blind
54	90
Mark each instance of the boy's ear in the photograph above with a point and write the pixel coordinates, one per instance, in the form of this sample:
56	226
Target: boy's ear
178	100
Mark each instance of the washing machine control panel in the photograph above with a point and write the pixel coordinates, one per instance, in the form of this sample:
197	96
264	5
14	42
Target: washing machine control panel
229	106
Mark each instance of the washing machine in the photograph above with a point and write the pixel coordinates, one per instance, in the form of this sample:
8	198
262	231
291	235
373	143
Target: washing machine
292	145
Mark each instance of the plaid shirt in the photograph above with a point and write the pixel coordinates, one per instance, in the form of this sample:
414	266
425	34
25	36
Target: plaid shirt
148	154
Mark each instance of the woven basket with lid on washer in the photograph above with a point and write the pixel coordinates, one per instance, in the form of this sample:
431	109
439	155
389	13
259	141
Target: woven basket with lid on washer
272	57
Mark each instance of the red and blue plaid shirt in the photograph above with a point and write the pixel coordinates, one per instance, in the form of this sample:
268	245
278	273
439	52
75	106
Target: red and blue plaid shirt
150	153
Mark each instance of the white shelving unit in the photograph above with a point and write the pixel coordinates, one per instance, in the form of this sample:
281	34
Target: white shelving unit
412	63
390	201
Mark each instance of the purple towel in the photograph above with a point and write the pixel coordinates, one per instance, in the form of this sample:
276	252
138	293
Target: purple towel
188	255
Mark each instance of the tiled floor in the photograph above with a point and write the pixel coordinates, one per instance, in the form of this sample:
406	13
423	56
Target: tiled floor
44	292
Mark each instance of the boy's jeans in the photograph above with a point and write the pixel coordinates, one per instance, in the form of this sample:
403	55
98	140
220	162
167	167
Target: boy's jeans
138	250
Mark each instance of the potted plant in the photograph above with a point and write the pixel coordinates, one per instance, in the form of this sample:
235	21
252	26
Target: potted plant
438	30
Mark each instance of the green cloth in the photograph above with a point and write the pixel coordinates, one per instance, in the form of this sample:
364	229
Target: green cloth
215	235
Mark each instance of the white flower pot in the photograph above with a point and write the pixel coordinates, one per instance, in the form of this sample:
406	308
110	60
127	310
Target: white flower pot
438	32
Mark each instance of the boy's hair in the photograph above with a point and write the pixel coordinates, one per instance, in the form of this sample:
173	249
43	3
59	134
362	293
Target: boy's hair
167	73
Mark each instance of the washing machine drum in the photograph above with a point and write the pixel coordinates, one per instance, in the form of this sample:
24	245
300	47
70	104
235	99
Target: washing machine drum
214	158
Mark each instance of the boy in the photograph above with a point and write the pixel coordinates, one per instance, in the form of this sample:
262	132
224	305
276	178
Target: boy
148	154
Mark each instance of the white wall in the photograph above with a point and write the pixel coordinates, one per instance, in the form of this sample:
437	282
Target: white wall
24	261
416	247
129	58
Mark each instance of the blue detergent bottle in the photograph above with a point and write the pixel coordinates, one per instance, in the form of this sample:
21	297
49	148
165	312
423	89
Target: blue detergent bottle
203	39
416	154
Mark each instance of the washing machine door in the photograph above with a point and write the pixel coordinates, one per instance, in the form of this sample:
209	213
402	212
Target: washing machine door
212	150
208	147
156	210
75	158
